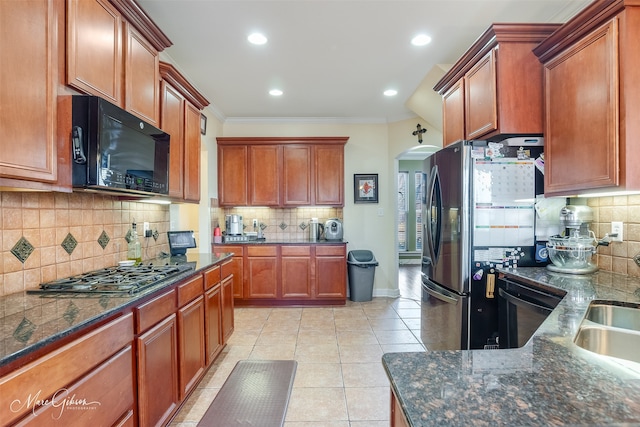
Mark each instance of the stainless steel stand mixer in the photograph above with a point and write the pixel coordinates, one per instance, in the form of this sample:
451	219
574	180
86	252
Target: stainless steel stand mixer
572	252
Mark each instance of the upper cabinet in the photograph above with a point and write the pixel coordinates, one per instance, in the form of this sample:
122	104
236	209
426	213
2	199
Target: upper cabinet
112	52
29	84
592	79
496	86
180	107
281	171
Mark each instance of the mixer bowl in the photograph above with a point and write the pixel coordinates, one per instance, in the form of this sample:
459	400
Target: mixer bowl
571	257
572	241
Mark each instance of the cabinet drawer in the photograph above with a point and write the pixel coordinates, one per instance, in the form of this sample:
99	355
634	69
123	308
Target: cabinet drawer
190	290
296	250
155	310
107	390
235	250
322	250
46	375
262	250
211	277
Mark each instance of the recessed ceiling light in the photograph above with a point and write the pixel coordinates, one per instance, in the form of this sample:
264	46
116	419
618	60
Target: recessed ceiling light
421	40
275	92
390	92
257	38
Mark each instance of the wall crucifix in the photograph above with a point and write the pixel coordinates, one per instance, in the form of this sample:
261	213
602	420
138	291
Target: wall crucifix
419	131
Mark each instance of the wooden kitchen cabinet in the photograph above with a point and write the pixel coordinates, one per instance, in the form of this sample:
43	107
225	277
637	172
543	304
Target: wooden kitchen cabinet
158	388
296	175
331	272
453	114
232	175
28	153
77	365
329	175
234	267
501	80
228	323
265	163
191	344
213	316
397	416
261	274
592	78
296	272
181	107
279	171
113	52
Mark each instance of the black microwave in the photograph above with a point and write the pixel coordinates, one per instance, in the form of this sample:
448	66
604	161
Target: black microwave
115	151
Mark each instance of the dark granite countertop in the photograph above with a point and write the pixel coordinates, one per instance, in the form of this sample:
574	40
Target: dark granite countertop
549	381
31	321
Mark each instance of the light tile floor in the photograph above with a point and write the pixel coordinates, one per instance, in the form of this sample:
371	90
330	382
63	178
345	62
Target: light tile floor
340	381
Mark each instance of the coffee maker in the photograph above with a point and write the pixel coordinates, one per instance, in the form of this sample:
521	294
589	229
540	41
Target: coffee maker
233	225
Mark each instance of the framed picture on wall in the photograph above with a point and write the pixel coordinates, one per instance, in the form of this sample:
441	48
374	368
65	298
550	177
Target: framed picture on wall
365	188
203	124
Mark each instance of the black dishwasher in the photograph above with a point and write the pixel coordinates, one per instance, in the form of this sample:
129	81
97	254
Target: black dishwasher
521	311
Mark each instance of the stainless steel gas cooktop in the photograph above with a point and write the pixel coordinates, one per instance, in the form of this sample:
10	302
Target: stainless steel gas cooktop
122	280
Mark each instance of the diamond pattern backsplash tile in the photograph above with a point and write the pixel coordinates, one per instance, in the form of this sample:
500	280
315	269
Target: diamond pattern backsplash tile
22	249
71	313
69	243
283	226
303	226
103	240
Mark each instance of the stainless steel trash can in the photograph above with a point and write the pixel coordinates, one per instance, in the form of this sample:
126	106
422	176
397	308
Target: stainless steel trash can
361	272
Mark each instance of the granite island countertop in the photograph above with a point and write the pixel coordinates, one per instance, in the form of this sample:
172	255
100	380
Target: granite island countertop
31	321
280	241
549	381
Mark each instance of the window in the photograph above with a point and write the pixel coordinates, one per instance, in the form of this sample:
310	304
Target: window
403	209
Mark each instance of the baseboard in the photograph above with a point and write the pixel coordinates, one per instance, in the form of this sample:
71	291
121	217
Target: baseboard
409	261
386	293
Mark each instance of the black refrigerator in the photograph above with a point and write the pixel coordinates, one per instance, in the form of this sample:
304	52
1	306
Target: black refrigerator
478	214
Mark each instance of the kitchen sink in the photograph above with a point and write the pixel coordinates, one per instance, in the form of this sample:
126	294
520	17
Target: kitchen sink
611	329
614	315
610	342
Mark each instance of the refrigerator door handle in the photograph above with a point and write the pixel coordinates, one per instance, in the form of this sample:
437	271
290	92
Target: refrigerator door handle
433	178
438	291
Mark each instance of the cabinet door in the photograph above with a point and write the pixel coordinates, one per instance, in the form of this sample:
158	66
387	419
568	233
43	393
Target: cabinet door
213	316
453	113
94	49
262	272
581	100
191	153
296	175
172	123
142	77
264	172
232	175
296	272
227	308
480	98
28	86
329	175
158	392
331	272
191	328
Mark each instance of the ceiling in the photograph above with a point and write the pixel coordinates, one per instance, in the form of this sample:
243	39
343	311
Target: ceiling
332	59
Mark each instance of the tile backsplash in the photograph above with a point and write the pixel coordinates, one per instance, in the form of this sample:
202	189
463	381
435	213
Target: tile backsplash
277	224
618	256
48	236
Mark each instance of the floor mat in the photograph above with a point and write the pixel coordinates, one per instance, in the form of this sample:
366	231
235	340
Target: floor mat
256	393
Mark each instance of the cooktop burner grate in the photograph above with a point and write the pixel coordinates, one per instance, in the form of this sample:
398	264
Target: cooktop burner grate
114	279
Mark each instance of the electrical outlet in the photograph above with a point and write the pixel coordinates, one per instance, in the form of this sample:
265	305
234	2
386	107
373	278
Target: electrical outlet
255	223
146	231
616	228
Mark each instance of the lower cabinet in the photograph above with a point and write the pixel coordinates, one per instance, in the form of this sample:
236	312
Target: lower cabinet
331	272
281	274
227	308
213	316
191	344
158	393
397	416
97	367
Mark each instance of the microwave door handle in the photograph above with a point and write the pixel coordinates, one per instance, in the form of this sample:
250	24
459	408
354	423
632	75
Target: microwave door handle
522	303
77	142
437	291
